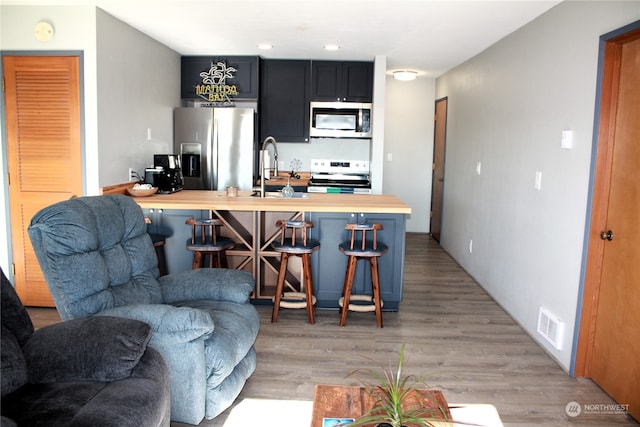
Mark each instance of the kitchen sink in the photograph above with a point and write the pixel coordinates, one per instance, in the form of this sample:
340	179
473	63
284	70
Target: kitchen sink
271	195
278	195
276	184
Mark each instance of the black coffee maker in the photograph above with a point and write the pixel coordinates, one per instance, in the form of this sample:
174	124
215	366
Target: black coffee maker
166	173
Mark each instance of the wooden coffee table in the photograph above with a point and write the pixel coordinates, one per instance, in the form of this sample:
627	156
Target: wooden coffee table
333	401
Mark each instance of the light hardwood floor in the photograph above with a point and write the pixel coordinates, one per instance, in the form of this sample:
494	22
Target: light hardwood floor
455	334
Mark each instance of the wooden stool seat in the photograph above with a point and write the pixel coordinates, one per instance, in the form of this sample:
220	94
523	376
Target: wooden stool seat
359	247
206	240
294	242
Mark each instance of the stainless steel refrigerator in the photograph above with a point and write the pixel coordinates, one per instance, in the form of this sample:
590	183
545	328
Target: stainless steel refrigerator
216	147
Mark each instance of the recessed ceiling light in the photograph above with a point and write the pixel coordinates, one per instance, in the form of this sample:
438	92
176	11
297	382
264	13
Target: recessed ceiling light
265	46
405	75
331	47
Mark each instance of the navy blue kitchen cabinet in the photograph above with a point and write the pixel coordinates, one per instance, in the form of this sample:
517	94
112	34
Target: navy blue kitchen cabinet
171	224
342	81
285	87
329	264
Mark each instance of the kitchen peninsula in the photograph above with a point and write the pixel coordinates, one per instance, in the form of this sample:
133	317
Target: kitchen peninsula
250	221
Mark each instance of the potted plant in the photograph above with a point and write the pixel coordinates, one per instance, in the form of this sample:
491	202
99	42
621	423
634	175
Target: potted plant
397	402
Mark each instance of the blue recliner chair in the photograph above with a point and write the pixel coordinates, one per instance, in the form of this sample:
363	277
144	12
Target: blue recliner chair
98	259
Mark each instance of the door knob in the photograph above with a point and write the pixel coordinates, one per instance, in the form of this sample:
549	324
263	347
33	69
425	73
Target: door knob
607	235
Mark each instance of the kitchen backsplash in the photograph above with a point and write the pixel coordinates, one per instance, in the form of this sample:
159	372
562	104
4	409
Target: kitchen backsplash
323	148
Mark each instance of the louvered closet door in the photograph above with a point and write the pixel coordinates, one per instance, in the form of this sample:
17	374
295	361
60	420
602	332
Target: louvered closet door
42	95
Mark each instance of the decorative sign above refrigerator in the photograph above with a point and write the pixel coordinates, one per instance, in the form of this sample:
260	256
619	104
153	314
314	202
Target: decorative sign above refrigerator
219	81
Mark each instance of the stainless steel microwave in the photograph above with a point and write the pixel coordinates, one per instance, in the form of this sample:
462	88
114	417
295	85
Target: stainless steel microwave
340	120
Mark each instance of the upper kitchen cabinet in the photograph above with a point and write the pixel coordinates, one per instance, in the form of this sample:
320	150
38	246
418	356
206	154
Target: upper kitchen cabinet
219	80
342	81
285	86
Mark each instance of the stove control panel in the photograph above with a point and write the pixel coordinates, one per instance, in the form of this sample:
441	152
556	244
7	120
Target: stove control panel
340	166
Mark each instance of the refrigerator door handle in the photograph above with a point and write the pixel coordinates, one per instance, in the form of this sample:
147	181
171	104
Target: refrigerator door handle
208	142
214	157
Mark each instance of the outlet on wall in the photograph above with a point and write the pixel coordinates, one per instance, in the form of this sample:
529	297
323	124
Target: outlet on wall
133	175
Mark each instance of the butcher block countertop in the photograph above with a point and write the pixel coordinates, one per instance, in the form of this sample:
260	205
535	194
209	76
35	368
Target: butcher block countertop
310	202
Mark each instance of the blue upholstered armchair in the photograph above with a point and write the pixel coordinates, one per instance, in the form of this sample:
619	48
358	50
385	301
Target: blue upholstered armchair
98	259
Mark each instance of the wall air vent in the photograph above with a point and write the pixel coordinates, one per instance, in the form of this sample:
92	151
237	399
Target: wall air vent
550	327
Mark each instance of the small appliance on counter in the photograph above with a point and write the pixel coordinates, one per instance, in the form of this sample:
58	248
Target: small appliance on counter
339	176
166	173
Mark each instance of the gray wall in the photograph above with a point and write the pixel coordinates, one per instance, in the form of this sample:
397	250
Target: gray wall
508	107
408	139
138	88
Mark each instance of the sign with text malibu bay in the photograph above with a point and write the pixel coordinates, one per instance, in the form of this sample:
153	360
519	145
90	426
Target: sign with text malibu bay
218	82
214	88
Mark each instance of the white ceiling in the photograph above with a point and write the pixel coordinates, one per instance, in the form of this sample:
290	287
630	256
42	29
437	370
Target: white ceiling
428	36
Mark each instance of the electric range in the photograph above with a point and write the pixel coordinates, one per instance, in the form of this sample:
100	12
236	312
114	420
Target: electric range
339	176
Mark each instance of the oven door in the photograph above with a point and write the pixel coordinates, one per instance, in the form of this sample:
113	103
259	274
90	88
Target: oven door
339	183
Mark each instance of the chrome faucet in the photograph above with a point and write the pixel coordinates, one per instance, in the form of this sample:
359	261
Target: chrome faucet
268	140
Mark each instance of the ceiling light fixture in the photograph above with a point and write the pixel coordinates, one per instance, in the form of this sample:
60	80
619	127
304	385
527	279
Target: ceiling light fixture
405	75
331	47
265	46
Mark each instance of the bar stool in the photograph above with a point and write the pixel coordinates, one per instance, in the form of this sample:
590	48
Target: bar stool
208	242
159	240
369	250
302	247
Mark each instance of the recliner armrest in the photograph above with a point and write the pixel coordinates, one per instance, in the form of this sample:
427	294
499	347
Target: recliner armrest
170	325
219	284
98	349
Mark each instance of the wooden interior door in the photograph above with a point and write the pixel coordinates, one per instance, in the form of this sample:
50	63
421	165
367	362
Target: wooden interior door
42	97
609	334
437	183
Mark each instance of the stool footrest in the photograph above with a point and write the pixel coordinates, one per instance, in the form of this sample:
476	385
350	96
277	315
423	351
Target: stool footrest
356	300
295	300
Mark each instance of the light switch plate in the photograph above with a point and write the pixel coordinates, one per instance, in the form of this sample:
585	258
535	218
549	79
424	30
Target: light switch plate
538	181
567	140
